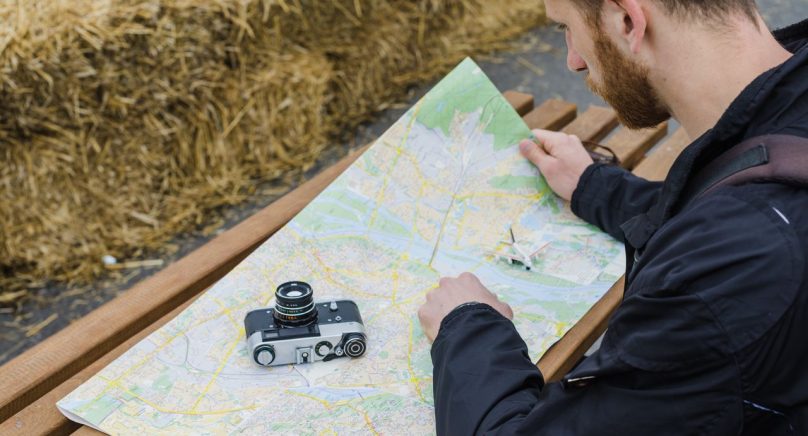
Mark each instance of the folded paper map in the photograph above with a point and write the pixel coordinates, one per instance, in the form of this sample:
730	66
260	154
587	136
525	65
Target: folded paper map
433	197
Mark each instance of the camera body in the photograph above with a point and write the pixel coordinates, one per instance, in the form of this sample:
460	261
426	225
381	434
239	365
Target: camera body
298	330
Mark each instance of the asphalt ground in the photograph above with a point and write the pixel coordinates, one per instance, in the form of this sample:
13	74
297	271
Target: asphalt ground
536	66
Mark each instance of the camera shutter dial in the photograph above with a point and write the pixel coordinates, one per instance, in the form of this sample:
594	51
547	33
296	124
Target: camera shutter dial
355	346
264	355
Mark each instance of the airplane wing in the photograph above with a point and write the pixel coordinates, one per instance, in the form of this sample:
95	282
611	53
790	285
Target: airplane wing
505	255
535	253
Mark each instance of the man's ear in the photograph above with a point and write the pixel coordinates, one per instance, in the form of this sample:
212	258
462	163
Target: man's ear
626	20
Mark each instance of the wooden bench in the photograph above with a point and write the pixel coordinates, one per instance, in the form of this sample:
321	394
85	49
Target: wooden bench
32	383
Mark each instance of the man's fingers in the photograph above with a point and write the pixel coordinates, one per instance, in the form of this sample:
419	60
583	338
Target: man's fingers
468	277
550	140
422	313
555	142
532	151
505	310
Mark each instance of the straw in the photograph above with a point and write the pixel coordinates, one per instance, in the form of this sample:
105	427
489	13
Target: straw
126	122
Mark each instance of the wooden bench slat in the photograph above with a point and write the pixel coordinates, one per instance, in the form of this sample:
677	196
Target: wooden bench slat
551	115
521	102
49	363
564	354
43	417
631	145
657	164
45	366
592	125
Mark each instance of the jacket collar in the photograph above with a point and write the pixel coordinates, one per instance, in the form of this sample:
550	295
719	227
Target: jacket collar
794	36
733	127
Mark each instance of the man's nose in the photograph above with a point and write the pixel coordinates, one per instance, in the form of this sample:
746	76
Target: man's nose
574	61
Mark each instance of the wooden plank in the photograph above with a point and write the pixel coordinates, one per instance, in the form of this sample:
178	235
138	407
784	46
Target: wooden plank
551	115
565	354
521	102
42	416
656	165
593	125
48	364
631	145
557	361
554	364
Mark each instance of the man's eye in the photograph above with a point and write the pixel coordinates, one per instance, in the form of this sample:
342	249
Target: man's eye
562	27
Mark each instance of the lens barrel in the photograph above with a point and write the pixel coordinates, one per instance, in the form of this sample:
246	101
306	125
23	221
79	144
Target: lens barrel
294	305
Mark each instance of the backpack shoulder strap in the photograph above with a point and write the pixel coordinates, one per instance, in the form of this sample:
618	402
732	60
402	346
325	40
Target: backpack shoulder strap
770	158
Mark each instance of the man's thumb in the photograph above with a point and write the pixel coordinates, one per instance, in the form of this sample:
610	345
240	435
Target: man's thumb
532	151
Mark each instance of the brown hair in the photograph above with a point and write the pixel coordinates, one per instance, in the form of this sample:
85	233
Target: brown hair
698	9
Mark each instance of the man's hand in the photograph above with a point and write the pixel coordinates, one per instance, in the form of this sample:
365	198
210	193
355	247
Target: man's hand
451	293
561	158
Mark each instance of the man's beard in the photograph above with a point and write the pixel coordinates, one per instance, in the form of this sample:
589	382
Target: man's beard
626	87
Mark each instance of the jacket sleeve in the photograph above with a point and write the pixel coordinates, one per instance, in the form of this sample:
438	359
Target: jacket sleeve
608	196
485	383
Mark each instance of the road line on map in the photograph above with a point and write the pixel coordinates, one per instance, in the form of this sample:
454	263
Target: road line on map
329	271
176	412
218	371
367	418
440	233
227	312
413	378
162	346
325	403
458	187
534	197
382	191
395	286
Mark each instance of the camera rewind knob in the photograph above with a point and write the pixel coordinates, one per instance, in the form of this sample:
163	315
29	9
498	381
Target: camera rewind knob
355	346
264	355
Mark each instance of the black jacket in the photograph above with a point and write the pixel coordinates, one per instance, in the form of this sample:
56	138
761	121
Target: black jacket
712	334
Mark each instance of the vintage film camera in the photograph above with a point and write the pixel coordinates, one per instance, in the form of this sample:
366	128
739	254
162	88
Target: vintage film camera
298	330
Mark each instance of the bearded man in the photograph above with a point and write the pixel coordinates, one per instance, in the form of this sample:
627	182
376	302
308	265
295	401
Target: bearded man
710	337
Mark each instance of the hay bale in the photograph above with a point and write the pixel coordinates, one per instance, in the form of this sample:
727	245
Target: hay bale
125	122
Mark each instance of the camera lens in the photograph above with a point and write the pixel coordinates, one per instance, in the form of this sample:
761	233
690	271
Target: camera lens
294	305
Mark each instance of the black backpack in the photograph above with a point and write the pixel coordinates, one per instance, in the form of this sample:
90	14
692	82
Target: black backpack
770	158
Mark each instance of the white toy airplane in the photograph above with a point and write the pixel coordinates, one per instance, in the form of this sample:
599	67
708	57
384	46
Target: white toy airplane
518	254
